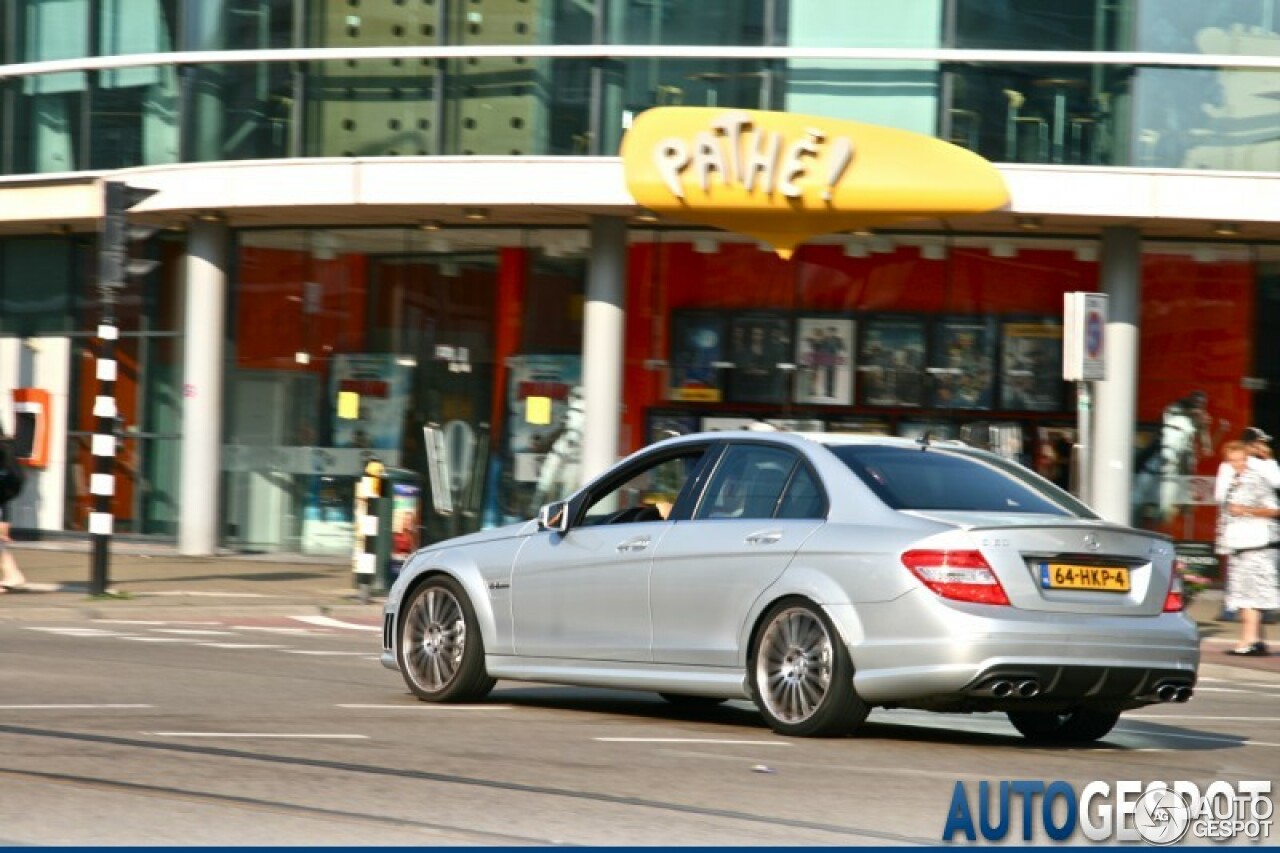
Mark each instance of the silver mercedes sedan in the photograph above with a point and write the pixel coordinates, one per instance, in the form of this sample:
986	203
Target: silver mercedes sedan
818	575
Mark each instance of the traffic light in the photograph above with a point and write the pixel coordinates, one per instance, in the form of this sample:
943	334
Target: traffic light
117	265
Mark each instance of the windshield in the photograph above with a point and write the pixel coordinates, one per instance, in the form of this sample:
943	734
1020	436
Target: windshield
955	478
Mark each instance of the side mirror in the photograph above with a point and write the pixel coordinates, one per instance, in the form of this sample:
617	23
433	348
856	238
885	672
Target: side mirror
554	516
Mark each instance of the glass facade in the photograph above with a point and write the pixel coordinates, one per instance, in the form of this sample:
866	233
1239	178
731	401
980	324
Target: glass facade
1146	115
46	295
458	351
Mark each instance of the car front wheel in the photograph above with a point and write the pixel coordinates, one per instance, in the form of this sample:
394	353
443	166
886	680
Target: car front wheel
801	677
1079	725
441	653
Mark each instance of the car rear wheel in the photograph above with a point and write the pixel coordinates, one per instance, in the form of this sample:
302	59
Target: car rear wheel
801	676
441	653
1079	725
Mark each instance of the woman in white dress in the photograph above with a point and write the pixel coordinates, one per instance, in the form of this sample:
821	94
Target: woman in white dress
1251	571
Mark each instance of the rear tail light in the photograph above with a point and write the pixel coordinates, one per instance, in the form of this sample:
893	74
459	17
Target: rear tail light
1174	601
957	575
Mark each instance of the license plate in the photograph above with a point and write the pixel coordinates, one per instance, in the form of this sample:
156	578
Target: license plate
1069	576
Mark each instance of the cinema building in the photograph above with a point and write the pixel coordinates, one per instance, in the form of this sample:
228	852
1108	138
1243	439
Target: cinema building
403	229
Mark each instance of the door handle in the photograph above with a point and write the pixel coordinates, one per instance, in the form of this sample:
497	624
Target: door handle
764	537
637	543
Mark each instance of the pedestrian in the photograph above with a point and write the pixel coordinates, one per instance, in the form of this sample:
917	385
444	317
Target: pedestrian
1261	458
1249	536
11	479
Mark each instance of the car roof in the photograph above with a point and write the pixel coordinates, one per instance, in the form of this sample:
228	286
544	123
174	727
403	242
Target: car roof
796	439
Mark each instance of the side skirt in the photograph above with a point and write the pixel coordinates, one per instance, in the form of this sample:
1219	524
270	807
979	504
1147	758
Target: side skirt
727	683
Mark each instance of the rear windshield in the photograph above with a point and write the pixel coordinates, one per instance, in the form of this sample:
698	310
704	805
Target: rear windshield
937	478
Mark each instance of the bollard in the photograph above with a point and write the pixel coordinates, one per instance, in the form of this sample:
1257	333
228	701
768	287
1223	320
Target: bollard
365	558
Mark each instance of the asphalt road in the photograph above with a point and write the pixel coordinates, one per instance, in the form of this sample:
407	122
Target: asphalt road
280	731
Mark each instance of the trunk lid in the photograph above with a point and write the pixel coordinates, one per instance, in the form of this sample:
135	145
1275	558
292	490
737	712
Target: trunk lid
1048	563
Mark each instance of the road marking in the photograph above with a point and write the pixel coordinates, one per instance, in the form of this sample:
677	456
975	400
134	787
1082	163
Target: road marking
203	632
155	639
80	632
157	622
174	593
68	707
318	653
239	646
259	735
691	740
423	706
290	631
1200	717
330	622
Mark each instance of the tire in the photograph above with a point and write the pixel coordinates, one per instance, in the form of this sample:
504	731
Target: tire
1079	725
688	700
800	674
440	650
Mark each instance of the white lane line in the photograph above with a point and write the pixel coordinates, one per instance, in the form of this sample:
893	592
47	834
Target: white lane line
201	594
690	740
330	622
290	631
156	622
69	707
259	735
422	706
317	653
1200	689
239	646
79	632
1200	717
156	639
195	632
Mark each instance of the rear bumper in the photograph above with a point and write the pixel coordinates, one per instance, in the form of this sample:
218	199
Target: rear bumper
927	651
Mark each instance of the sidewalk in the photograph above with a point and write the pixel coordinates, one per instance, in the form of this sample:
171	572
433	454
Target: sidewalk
154	582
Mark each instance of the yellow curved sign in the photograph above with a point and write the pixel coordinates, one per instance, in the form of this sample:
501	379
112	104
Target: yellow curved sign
784	178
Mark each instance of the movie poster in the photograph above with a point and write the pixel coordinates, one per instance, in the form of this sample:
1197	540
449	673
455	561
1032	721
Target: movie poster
1031	367
759	344
370	394
891	361
824	361
963	363
698	352
544	433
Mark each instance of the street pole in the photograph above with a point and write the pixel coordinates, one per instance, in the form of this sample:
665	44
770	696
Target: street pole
1084	422
114	271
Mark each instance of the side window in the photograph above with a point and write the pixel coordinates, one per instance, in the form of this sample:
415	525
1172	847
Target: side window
646	495
803	498
747	483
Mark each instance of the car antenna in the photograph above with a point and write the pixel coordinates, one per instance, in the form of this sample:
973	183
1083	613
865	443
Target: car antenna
924	439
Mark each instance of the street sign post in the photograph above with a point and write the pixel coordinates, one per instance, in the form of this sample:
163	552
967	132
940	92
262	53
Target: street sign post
1084	361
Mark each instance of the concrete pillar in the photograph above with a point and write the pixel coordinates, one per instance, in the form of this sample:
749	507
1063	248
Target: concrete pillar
204	330
602	344
1116	398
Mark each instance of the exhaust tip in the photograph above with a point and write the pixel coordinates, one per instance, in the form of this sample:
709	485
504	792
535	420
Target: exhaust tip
1001	689
1168	693
1184	694
1027	689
